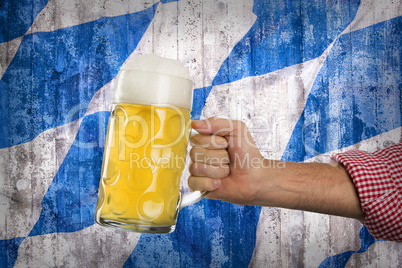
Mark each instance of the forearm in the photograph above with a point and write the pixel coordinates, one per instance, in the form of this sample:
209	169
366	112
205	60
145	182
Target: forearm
314	187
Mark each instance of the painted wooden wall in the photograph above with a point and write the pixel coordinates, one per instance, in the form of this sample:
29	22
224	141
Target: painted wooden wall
309	78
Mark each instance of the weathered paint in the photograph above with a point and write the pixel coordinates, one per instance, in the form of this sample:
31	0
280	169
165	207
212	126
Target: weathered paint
309	78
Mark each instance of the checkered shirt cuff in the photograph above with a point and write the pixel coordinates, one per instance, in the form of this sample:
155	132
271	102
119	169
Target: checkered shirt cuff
378	179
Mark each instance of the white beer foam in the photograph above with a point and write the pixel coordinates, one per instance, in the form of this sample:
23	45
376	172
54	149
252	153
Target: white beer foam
157	64
152	80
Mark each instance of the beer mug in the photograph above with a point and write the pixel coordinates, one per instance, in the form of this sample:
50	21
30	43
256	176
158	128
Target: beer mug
146	147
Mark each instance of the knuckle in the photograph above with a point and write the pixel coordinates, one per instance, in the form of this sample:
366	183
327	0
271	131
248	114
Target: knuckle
192	183
223	157
195	154
193	169
218	172
198	139
224	153
198	169
192	153
195	139
201	142
200	184
218	142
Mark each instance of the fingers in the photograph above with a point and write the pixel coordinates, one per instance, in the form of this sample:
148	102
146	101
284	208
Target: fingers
216	126
209	141
210	157
209	153
205	170
203	183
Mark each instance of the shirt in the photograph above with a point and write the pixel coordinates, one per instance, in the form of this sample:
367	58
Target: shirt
378	179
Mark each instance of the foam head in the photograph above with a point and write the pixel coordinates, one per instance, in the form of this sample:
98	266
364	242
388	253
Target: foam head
153	80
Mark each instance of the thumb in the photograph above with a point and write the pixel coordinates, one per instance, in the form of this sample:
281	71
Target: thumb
215	126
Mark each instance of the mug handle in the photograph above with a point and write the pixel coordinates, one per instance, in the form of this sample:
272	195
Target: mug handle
193	197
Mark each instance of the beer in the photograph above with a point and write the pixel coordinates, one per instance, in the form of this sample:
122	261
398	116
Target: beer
146	147
143	163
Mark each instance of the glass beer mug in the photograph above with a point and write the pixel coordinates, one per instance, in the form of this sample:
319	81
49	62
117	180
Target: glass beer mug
146	147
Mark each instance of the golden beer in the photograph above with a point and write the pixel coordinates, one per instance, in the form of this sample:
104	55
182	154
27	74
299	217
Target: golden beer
146	147
142	166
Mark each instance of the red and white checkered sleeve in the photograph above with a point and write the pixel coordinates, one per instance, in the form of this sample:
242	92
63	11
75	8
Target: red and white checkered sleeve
378	179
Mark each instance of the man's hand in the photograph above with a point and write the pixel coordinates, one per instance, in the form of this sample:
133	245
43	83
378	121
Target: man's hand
228	164
226	161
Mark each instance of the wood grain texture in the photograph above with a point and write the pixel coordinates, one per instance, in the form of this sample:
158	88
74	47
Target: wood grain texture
203	35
